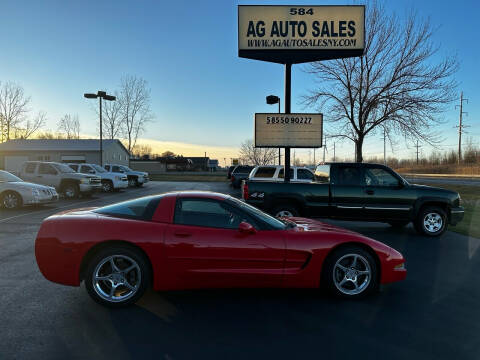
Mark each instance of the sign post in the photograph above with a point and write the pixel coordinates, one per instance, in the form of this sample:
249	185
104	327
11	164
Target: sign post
295	34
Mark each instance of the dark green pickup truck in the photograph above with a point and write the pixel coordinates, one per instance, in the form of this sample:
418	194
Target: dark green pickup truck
361	192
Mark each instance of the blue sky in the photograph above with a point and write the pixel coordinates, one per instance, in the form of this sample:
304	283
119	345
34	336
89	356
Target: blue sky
202	93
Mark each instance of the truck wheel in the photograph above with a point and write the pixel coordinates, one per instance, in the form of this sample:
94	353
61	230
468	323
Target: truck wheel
138	184
71	191
117	276
107	186
350	272
431	221
11	200
398	224
285	210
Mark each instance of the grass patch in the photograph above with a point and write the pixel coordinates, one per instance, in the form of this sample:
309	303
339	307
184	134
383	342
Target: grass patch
188	177
470	225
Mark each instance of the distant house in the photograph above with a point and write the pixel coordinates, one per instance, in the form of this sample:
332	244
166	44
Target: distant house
14	153
213	164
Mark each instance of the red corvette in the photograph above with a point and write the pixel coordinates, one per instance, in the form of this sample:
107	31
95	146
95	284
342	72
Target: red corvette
186	240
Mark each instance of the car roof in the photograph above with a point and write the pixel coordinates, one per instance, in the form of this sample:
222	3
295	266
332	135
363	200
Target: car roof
198	194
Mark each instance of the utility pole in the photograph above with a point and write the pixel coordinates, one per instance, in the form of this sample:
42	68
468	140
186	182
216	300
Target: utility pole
460	126
417	146
334	151
324	149
384	146
314	163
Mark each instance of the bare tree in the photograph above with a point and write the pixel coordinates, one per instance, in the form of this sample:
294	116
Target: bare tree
399	83
168	153
69	126
134	100
31	126
113	124
140	150
249	154
13	108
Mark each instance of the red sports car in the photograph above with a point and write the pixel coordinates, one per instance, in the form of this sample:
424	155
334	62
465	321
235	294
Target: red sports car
186	240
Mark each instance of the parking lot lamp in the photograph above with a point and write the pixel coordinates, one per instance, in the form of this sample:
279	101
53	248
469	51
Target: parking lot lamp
100	95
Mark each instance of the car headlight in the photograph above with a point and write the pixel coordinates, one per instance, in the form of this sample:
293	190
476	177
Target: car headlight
84	181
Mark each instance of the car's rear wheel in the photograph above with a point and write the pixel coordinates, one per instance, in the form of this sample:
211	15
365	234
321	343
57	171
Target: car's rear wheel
71	190
117	276
11	200
107	186
285	210
431	221
351	272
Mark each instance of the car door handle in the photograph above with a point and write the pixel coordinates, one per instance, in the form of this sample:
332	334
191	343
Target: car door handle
182	234
370	192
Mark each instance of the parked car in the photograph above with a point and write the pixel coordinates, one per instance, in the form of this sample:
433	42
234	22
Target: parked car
110	181
61	177
229	172
276	173
240	173
189	240
135	178
14	192
364	192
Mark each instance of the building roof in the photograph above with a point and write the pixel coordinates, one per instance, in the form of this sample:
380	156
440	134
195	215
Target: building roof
57	144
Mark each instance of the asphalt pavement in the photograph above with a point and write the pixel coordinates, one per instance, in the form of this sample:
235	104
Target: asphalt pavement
433	314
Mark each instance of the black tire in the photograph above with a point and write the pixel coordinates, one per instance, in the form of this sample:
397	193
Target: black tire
71	190
107	186
141	275
398	224
332	274
431	221
138	184
11	200
286	209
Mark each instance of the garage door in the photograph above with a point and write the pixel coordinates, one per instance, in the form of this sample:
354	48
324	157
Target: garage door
14	163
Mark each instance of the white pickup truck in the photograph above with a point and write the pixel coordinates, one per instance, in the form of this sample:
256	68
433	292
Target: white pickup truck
135	178
61	177
110	181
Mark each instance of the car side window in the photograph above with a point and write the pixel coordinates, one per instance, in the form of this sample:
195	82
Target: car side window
281	172
116	169
46	169
107	167
349	175
30	168
74	167
380	177
303	174
265	172
206	213
86	169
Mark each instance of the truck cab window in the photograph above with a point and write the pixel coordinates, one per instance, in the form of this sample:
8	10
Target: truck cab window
380	177
349	175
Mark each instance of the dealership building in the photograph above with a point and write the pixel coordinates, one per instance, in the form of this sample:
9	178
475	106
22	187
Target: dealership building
13	153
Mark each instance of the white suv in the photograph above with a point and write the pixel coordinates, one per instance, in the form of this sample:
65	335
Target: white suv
110	181
276	173
135	178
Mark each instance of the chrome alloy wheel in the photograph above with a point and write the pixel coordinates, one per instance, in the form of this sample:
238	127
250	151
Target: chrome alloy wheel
283	213
432	222
106	186
116	278
10	201
352	274
69	192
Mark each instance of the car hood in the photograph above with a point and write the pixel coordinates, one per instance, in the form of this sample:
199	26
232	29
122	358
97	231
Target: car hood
27	185
431	188
138	173
304	224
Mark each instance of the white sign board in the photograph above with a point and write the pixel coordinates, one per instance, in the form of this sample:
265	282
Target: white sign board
288	130
295	33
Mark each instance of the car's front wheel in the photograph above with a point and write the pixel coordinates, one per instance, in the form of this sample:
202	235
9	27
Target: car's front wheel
431	221
117	276
11	200
351	272
107	186
285	210
71	191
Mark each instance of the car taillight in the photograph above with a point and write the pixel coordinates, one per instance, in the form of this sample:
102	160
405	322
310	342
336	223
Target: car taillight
232	178
245	191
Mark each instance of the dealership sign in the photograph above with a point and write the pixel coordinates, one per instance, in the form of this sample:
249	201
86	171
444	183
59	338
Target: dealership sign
296	34
291	130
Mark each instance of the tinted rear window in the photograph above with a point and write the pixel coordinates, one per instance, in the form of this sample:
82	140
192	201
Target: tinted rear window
265	172
243	169
140	209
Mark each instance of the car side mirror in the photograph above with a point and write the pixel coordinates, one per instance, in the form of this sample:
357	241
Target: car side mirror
246	228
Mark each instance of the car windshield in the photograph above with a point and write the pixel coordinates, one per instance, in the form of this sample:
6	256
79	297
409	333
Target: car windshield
141	209
64	168
7	177
99	168
259	214
125	168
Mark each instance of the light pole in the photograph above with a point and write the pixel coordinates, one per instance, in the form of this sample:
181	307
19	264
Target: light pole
100	95
271	100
